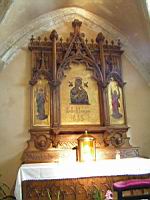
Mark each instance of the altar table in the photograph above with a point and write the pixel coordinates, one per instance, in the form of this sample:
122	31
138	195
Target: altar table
66	171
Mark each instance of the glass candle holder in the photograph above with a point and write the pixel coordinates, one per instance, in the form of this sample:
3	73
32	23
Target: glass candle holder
86	148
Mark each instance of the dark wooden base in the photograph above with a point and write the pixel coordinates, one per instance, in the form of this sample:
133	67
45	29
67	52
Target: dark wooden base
71	189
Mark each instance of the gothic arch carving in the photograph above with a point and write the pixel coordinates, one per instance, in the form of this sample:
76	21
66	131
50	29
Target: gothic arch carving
78	52
12	46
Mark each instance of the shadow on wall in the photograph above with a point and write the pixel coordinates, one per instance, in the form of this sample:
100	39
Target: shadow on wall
9	169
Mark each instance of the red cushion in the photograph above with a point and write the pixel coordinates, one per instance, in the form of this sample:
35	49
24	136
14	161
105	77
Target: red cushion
132	184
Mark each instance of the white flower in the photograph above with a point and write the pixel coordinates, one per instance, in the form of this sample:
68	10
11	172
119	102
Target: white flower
109	195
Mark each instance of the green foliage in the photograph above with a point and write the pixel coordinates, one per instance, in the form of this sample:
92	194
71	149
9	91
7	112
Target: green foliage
58	195
96	194
4	192
49	195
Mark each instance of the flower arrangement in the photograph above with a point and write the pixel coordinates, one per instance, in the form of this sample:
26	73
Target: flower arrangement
104	191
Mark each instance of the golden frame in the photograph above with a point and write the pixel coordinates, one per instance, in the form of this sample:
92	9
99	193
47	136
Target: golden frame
79	97
40	94
115	102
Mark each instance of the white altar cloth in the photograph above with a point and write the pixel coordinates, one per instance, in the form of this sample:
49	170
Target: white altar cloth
112	167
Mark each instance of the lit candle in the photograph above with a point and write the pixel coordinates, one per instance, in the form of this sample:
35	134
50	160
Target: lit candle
86	148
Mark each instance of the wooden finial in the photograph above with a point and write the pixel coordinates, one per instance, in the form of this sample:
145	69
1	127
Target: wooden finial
76	25
32	39
53	35
100	38
119	43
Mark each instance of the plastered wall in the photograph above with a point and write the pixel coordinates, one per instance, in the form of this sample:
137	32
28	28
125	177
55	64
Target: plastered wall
137	93
14	110
14	115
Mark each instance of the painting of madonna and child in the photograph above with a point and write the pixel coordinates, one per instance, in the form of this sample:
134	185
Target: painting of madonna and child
79	97
116	110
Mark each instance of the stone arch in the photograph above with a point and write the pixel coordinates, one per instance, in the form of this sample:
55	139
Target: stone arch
56	18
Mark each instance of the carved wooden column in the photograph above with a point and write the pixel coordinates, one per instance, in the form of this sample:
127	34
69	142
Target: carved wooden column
55	83
100	41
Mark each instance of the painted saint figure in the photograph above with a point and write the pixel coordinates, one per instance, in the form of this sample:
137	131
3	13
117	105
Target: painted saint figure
78	94
40	102
115	97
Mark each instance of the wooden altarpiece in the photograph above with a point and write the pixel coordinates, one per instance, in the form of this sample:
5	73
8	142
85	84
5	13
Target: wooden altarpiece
76	85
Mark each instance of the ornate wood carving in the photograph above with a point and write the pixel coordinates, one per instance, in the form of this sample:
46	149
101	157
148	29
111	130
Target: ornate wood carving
51	60
70	189
78	52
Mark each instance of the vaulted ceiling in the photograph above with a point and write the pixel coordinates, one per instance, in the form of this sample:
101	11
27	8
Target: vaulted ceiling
128	17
